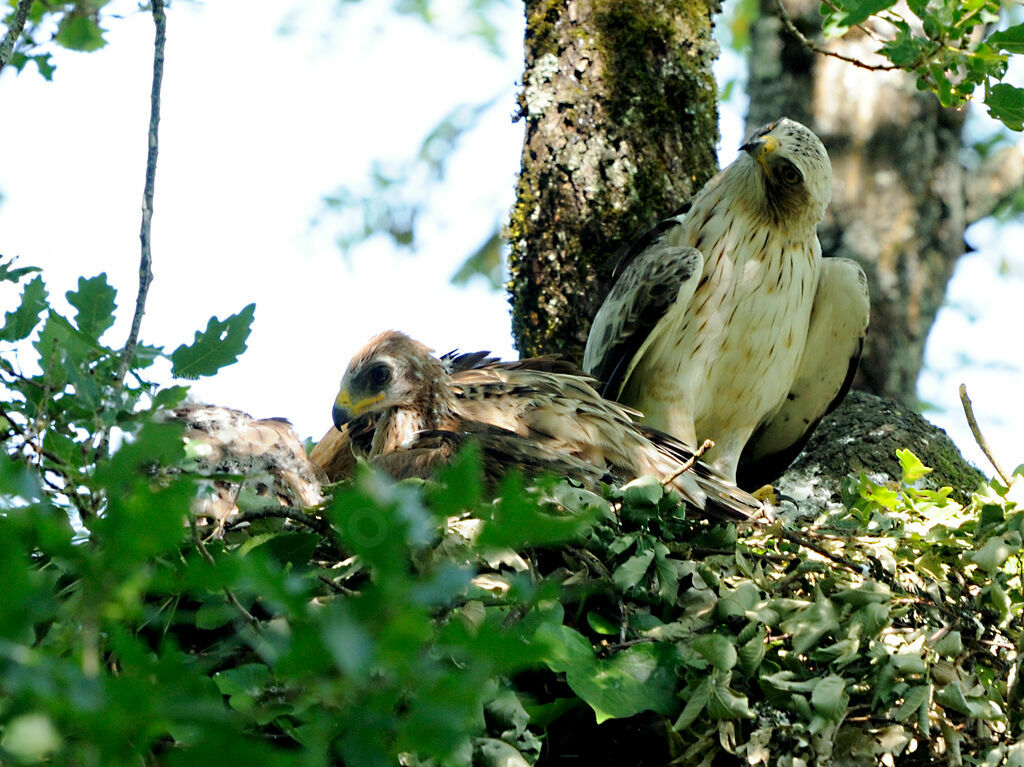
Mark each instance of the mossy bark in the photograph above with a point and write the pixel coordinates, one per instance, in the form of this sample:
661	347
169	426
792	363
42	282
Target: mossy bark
862	436
899	203
621	127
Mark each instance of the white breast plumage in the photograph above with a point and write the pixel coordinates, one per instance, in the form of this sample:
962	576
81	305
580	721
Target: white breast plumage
717	351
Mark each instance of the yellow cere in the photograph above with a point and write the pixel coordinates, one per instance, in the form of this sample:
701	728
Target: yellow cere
344	401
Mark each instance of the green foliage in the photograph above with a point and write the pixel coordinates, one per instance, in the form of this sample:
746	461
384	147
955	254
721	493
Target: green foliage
953	47
76	25
467	19
61	394
488	261
79	31
94	302
18	324
431	623
219	345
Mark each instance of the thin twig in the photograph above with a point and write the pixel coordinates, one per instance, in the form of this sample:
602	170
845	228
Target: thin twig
198	540
789	535
316	524
28	440
688	464
146	260
625	644
337	588
979	438
787	22
14	32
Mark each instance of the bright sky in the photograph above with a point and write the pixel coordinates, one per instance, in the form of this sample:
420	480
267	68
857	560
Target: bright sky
257	127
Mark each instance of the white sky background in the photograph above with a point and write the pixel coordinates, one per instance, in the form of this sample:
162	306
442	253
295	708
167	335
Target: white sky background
258	126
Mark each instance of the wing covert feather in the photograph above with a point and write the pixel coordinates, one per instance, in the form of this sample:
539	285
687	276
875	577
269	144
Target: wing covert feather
663	274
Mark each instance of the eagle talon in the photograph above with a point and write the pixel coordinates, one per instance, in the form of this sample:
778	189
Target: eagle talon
766	494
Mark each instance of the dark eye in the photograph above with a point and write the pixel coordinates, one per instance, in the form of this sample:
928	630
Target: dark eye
379	375
789	174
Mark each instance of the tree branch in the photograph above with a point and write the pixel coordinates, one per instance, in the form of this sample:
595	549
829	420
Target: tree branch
314	523
146	260
979	437
198	541
14	32
787	22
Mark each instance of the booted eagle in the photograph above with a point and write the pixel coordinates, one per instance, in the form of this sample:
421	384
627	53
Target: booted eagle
726	323
264	454
408	412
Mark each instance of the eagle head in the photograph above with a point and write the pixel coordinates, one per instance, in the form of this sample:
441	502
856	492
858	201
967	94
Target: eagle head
391	371
793	172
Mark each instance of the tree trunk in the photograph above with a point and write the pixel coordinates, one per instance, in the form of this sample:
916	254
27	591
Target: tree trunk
622	123
899	201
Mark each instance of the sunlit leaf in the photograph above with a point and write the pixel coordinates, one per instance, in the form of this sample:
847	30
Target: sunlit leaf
1005	102
79	32
94	301
1010	40
911	466
219	345
20	323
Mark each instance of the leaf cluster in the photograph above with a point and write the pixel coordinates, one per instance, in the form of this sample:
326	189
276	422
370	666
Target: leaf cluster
76	25
446	623
61	397
952	47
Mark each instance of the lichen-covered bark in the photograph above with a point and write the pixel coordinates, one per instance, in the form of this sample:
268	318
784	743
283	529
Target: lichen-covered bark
898	192
863	435
621	126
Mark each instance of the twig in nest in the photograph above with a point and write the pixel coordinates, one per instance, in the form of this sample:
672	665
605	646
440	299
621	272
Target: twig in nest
337	588
197	539
687	465
625	644
979	438
789	535
314	523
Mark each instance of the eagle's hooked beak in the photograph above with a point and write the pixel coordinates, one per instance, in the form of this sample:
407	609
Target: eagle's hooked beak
345	410
340	414
760	149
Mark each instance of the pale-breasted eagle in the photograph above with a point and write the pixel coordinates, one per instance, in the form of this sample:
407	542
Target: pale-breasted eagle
406	411
725	323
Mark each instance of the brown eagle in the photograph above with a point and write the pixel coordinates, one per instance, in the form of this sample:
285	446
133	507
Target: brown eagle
725	323
263	457
408	411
